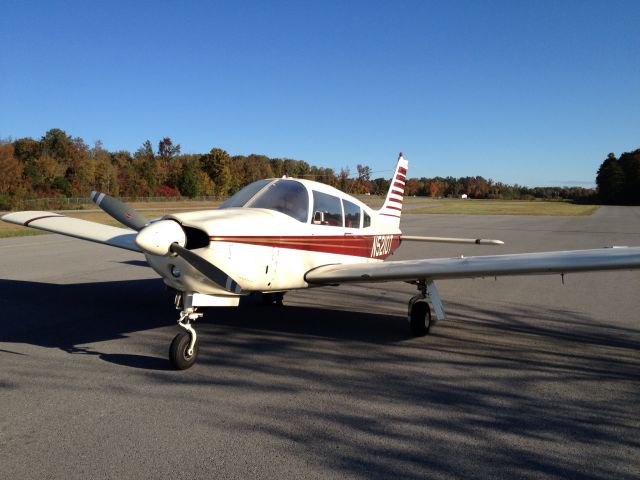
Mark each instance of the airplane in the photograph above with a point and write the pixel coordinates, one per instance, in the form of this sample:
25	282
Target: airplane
282	234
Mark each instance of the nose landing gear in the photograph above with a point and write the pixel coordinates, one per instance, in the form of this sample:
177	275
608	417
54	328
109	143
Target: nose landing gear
183	351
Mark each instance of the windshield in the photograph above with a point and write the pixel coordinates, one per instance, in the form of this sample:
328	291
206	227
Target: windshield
287	196
243	196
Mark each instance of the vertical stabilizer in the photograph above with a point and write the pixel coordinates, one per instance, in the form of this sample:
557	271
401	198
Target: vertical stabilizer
392	207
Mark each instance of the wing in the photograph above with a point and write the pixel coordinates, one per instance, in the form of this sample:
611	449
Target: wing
618	258
74	227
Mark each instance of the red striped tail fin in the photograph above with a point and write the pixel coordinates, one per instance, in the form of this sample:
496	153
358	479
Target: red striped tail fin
392	207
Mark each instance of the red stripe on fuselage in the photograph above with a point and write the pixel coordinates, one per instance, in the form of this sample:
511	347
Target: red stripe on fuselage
354	245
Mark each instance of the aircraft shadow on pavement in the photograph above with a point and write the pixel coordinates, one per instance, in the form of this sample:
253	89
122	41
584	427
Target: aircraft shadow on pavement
522	384
70	316
500	379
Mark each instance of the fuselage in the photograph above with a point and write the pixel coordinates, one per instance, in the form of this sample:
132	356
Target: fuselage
271	233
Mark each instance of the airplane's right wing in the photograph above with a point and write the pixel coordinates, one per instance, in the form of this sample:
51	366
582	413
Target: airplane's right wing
617	258
75	227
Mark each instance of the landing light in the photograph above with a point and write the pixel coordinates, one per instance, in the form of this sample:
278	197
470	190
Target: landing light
175	271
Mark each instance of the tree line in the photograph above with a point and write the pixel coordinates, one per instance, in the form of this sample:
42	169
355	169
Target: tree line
58	165
618	179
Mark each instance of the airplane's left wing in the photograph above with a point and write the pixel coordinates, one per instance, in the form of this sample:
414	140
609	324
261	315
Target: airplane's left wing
616	258
75	227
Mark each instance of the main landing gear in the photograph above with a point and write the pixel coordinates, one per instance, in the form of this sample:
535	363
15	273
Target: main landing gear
419	313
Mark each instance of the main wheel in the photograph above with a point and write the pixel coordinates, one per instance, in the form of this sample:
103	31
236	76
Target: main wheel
420	319
178	351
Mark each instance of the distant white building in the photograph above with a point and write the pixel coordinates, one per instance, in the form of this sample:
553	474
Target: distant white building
464	195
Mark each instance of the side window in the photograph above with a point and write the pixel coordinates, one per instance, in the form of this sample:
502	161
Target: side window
367	220
351	214
327	210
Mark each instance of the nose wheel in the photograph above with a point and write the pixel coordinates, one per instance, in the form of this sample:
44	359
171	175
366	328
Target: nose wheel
183	351
181	355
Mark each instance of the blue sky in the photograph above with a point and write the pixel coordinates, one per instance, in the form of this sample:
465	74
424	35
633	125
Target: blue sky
529	92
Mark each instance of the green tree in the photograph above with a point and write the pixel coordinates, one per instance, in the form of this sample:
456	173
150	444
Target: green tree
168	153
189	180
47	169
27	151
149	167
630	164
610	181
57	144
216	164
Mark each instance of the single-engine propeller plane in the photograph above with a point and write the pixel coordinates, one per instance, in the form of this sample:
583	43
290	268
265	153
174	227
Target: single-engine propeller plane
283	234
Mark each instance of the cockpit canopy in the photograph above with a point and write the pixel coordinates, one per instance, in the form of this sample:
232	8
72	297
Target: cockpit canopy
283	195
291	197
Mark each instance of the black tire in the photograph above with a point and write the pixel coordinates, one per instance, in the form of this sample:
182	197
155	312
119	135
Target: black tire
178	356
420	319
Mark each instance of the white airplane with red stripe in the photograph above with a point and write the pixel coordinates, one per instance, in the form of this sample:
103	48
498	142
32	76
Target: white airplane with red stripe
283	234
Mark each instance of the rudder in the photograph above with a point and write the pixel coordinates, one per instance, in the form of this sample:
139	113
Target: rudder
392	207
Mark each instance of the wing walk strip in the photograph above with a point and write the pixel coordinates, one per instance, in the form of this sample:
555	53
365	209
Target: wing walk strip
53	215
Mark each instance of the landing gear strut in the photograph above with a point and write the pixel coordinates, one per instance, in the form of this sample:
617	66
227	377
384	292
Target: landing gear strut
419	310
183	351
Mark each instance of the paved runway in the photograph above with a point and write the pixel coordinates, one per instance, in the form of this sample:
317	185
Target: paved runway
527	378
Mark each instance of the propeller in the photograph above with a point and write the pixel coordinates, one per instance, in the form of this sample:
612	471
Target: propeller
120	211
162	238
208	269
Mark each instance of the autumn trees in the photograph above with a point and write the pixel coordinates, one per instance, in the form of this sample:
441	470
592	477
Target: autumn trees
58	165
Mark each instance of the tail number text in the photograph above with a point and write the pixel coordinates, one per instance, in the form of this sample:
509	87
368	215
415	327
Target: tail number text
381	245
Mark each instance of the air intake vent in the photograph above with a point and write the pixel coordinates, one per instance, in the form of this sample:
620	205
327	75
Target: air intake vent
196	238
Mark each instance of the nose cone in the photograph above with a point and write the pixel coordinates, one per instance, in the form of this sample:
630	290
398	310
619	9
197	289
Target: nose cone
158	237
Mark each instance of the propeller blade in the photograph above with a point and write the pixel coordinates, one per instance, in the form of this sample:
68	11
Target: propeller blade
119	210
208	269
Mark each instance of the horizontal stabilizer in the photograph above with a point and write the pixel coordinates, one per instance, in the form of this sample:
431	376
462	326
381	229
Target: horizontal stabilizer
75	227
477	241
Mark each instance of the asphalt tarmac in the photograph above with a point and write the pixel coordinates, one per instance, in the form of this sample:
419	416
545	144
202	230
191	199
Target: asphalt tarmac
527	378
